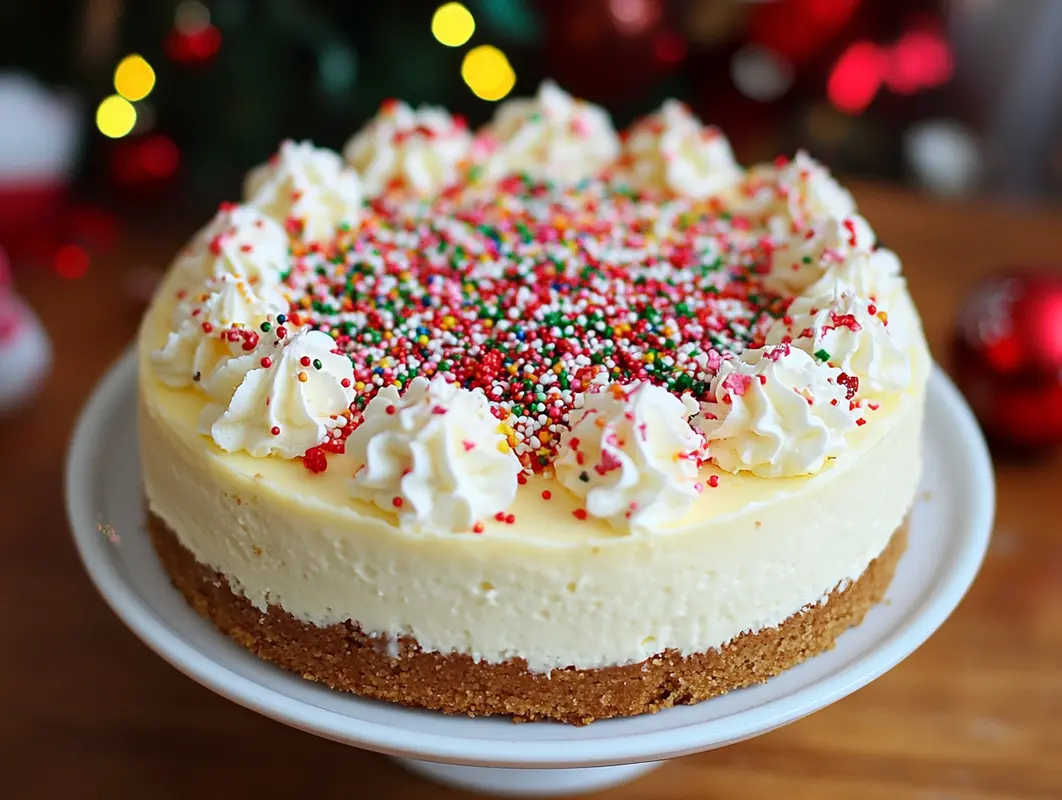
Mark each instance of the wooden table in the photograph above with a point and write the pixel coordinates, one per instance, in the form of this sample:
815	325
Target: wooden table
86	710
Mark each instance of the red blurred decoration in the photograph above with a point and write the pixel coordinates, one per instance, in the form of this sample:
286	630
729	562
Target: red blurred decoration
799	29
921	59
633	17
71	261
856	77
669	47
599	50
1008	358
97	228
192	47
145	165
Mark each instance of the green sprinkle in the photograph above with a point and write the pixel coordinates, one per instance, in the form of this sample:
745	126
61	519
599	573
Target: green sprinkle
822	355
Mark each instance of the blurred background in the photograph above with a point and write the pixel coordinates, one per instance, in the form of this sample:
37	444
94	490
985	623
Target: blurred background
113	109
123	124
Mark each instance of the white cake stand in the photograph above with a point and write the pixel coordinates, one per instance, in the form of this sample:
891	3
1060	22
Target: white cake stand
948	537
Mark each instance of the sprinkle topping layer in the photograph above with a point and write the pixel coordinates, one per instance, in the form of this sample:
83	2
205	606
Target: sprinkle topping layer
532	292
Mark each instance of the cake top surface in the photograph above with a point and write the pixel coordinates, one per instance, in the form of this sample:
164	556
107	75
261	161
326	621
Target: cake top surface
534	294
442	314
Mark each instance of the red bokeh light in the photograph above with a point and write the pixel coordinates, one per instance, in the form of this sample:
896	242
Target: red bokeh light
193	47
669	47
856	77
145	164
920	60
159	156
71	261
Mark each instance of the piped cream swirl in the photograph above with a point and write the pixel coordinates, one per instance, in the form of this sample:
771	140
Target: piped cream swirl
239	240
436	457
550	137
288	404
421	149
632	456
777	413
800	257
214	324
671	151
310	190
848	332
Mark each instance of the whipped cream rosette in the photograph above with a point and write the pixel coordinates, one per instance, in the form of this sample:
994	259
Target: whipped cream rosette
550	137
848	332
310	190
631	455
239	240
213	324
671	151
777	413
422	149
800	257
435	456
799	191
287	401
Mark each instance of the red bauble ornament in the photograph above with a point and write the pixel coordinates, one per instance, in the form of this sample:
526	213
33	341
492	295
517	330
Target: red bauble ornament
1008	357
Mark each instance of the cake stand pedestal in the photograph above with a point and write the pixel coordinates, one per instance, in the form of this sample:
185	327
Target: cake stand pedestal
527	782
948	535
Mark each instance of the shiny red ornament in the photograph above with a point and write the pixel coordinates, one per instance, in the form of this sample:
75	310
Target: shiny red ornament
1008	358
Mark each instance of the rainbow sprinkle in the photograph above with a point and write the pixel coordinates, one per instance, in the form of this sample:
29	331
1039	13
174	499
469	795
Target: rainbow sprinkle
532	292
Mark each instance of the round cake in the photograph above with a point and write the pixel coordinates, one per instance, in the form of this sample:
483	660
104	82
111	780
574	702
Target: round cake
540	420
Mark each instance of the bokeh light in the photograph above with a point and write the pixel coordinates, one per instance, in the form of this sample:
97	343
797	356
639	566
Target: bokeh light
856	77
452	24
115	116
134	78
71	261
488	72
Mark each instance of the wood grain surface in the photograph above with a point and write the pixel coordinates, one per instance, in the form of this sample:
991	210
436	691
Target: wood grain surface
87	711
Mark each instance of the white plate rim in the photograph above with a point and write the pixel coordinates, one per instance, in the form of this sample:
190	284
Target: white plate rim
515	750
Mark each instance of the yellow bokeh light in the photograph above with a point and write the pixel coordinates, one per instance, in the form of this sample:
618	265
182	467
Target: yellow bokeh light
115	117
488	72
134	78
452	24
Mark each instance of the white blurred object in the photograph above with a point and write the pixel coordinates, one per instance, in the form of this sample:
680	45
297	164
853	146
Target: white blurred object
944	155
39	132
25	350
760	73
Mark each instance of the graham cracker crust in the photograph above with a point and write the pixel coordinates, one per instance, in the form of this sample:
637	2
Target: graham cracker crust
343	657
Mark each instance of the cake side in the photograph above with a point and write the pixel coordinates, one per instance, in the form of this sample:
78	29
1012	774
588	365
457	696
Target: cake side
343	657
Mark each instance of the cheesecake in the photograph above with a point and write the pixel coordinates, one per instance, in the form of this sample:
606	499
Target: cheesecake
542	420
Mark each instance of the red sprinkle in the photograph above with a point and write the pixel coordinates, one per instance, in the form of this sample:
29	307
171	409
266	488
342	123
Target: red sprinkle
546	494
579	513
315	460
